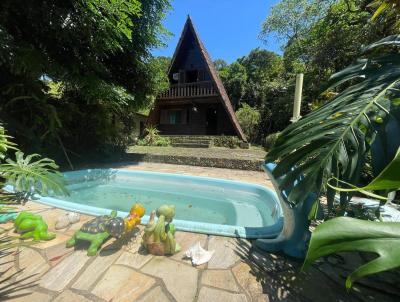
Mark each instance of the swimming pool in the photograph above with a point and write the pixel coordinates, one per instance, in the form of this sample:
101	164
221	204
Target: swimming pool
205	205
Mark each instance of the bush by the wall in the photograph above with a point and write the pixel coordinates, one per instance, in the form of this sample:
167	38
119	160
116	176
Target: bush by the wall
270	141
227	142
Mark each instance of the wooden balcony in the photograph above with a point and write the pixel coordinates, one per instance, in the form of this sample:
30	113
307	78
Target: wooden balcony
189	90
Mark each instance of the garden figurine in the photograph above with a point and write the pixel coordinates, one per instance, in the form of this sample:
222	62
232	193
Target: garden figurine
32	226
159	237
97	230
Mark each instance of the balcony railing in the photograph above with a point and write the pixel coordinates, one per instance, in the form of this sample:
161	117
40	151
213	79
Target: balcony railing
197	89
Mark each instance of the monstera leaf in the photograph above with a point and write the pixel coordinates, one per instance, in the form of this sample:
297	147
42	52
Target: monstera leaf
334	139
346	234
388	179
30	177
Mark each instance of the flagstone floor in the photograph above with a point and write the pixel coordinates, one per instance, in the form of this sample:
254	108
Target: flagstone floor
123	271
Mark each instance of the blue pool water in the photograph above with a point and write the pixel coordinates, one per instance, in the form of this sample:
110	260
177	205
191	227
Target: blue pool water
206	205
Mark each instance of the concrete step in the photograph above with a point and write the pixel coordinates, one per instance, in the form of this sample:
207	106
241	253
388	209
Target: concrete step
191	145
190	141
201	141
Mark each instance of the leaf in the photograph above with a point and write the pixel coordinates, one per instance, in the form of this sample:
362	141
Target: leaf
334	139
5	144
346	234
380	10
388	179
33	177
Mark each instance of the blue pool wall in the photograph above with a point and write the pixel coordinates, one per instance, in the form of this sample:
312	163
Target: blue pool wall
271	231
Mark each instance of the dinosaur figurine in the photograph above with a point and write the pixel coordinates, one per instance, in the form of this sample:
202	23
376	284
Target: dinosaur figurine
159	237
32	226
97	230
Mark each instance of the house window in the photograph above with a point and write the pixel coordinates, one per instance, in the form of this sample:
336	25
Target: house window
175	117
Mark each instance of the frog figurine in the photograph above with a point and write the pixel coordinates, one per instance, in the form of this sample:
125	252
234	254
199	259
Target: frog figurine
159	237
32	226
97	230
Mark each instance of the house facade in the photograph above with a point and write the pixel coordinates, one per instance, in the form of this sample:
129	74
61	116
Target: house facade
196	102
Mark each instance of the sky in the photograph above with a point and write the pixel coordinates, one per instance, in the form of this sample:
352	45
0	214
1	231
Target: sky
229	29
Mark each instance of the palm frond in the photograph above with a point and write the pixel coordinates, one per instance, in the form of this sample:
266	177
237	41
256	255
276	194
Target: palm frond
334	139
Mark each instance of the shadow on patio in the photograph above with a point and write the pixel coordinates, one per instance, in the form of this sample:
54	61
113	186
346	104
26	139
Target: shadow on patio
281	277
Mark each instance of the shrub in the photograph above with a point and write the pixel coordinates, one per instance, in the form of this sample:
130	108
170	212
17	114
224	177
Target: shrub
249	119
227	142
270	141
153	138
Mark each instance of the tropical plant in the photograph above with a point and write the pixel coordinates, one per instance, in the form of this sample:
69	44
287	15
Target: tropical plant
5	144
27	176
388	180
386	9
344	234
153	138
31	177
334	139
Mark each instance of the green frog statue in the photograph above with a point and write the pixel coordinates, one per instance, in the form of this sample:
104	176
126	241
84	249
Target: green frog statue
159	237
32	226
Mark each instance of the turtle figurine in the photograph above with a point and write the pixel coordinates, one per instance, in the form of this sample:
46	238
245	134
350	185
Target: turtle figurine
97	230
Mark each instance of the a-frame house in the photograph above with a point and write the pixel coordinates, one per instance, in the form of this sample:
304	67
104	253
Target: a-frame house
196	102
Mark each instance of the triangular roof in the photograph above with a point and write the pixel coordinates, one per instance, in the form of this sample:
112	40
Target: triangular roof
212	71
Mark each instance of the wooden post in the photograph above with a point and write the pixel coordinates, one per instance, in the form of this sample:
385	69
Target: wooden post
297	98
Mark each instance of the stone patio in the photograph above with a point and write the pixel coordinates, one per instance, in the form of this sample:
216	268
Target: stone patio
123	271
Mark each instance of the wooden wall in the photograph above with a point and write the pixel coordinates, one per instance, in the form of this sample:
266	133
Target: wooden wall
197	121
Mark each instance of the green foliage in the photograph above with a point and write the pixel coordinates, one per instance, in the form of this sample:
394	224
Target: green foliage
291	18
388	179
387	11
345	234
335	138
234	77
64	61
227	141
33	177
259	80
249	119
5	144
153	138
270	141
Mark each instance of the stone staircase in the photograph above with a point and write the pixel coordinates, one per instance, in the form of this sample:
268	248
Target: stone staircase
194	141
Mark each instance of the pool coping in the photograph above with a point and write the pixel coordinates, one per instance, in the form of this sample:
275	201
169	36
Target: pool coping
271	231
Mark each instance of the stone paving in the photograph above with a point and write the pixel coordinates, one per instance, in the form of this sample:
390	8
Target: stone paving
123	271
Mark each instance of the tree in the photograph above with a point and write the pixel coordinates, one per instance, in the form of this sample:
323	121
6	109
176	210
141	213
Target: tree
98	52
220	64
234	77
291	18
249	118
259	80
